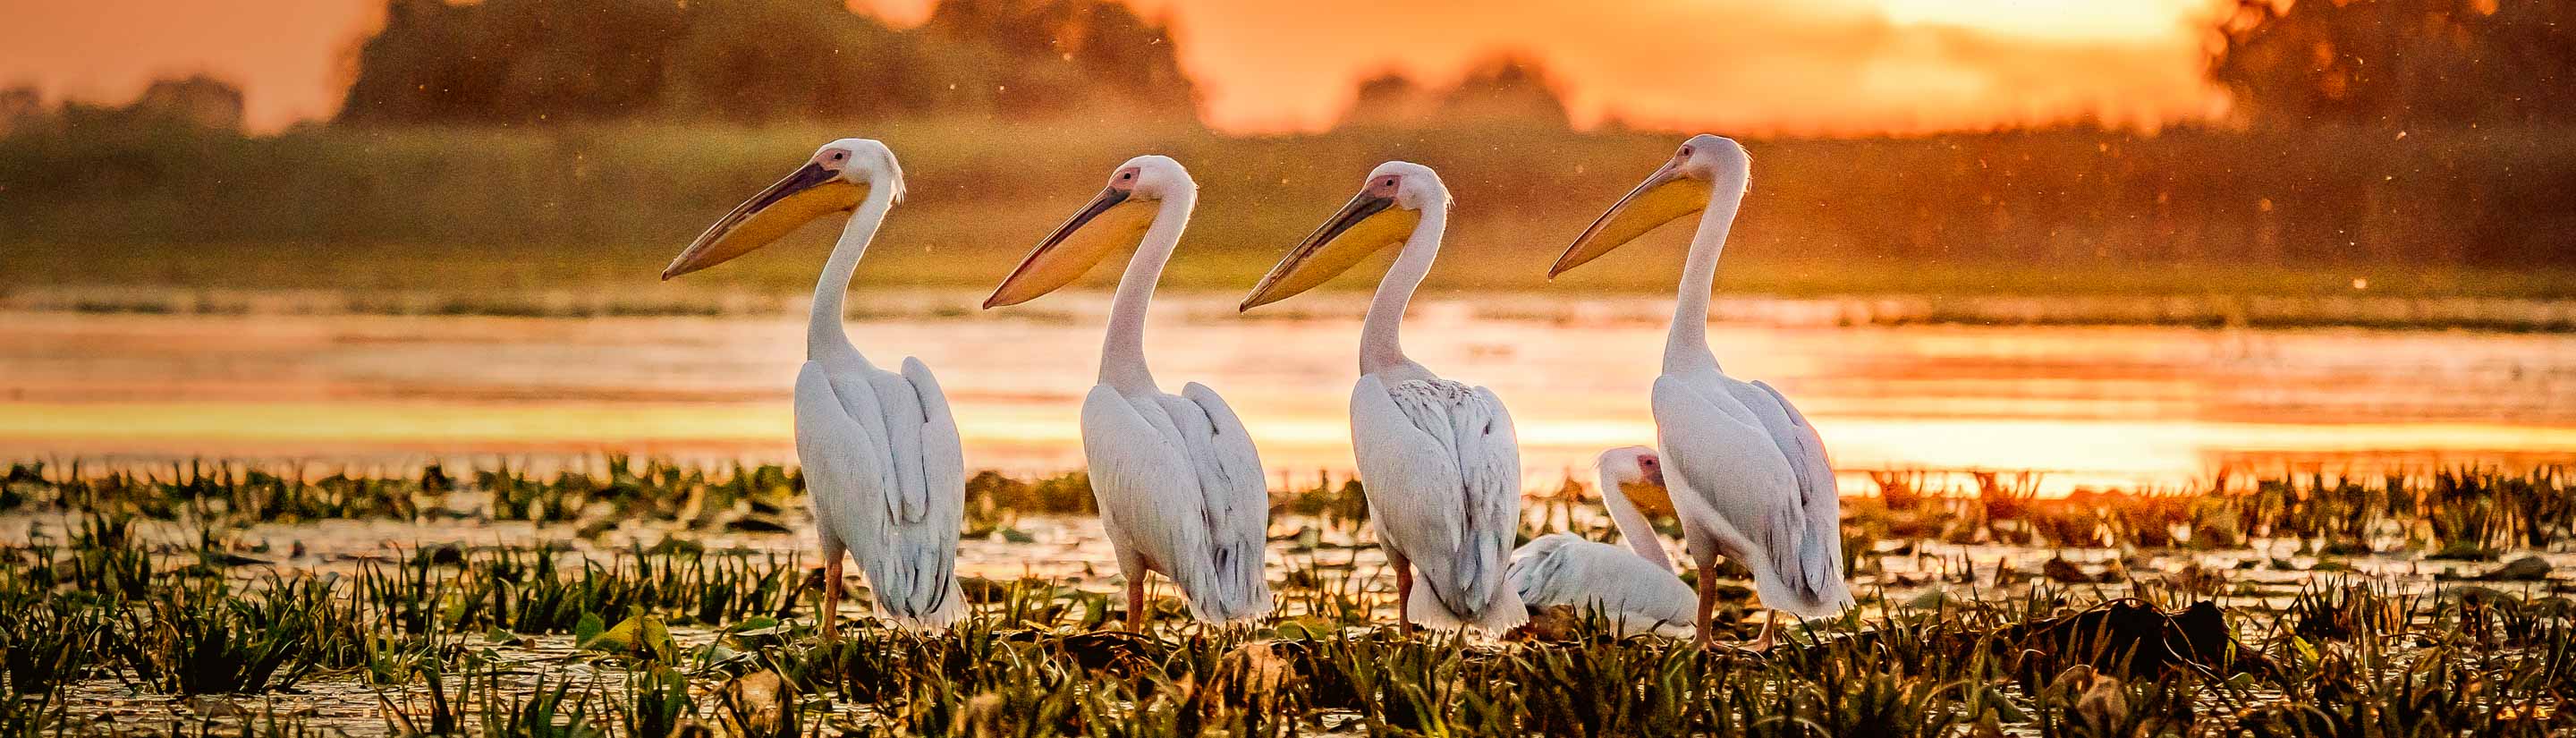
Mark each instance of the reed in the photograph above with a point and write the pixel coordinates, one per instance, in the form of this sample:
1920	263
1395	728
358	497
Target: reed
485	640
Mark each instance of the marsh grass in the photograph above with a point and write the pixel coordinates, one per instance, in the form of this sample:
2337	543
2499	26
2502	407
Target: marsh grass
47	639
2463	513
195	635
444	637
2471	513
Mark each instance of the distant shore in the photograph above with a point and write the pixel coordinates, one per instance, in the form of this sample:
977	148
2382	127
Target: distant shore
2351	309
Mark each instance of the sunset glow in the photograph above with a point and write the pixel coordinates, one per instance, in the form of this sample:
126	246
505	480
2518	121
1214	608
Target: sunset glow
1846	66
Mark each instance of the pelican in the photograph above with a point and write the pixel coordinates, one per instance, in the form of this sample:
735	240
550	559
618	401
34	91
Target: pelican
1438	458
883	468
1177	479
1748	474
1637	591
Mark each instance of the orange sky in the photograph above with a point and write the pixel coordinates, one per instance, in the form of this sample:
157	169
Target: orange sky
1747	66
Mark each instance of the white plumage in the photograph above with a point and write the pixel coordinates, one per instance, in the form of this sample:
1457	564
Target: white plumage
1442	472
1437	458
1631	594
1749	475
886	477
1177	479
1634	589
1181	493
1751	481
884	470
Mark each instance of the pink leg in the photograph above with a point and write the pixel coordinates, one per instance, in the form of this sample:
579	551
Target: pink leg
831	614
1136	604
1707	602
1403	591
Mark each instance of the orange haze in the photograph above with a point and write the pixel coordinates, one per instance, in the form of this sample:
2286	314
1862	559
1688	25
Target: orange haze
1755	66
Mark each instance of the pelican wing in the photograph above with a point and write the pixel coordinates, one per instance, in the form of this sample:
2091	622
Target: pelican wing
900	418
1442	470
1821	549
1635	595
1143	481
885	473
943	452
840	457
1238	500
1733	473
1148	487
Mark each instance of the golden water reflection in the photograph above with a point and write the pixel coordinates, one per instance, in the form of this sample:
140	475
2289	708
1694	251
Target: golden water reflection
2088	405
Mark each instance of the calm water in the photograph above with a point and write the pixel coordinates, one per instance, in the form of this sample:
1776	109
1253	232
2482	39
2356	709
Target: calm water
2084	404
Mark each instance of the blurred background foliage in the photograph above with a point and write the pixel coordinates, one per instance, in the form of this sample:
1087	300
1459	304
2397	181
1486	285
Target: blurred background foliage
553	142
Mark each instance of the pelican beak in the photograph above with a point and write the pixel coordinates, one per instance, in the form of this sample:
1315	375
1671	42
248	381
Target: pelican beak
1649	495
1664	196
1112	221
1370	222
810	193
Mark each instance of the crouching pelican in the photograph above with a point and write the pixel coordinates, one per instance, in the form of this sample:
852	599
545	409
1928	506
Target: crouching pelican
1437	457
883	468
1178	482
1636	593
1749	476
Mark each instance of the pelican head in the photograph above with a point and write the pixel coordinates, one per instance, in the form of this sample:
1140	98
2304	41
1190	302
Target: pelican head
1636	473
1115	219
834	180
1384	213
1680	187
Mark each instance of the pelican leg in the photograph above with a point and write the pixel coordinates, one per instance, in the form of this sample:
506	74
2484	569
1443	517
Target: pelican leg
830	616
1403	591
1707	602
1136	603
1769	621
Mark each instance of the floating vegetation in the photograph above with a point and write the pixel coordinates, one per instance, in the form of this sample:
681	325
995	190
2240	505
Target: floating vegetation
2451	513
2217	612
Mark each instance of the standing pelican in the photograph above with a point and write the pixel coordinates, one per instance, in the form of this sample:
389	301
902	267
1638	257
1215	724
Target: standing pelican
883	468
1178	482
1636	592
1441	468
1750	479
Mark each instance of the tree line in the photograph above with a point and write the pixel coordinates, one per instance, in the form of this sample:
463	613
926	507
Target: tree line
753	61
2416	132
2399	63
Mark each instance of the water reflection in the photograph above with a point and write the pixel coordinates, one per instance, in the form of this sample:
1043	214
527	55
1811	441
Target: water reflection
2111	405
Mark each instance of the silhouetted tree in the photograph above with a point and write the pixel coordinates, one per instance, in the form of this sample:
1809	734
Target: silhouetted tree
2399	62
532	61
1506	87
191	105
513	61
1389	99
790	59
20	107
195	100
1058	55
